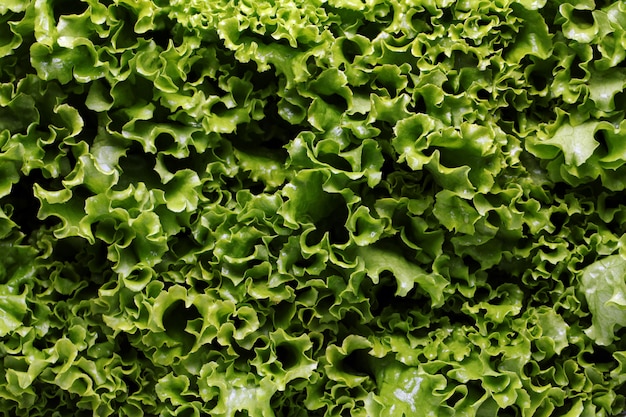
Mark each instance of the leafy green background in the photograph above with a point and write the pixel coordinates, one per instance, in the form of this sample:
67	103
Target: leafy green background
312	208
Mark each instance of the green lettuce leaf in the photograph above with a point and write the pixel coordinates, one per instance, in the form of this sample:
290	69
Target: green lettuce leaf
604	289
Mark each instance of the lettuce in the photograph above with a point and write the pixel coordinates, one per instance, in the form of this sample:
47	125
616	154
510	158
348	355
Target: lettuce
605	290
312	208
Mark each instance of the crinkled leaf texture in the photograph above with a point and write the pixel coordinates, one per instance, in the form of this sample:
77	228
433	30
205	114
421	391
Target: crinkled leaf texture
312	208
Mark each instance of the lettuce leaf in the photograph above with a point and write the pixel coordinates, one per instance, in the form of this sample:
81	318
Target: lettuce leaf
603	285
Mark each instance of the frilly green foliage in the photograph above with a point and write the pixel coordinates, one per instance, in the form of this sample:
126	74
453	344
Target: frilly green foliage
312	208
